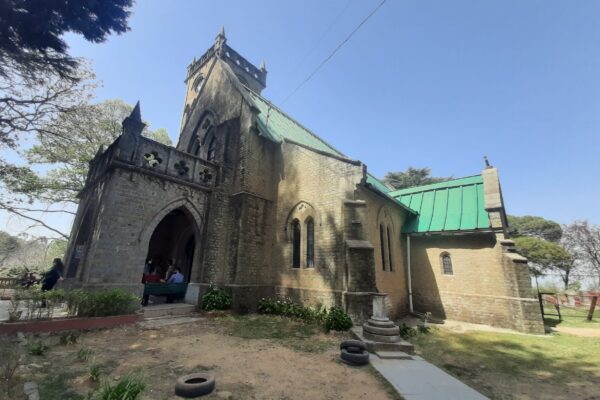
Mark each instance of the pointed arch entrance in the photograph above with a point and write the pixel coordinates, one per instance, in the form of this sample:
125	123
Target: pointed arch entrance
175	238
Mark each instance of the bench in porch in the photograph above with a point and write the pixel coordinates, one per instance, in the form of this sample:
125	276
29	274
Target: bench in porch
171	290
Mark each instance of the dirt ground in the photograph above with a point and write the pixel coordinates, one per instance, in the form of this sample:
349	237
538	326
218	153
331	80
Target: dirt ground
290	361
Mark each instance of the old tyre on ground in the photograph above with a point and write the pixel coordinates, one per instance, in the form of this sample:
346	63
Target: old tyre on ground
353	343
194	385
355	358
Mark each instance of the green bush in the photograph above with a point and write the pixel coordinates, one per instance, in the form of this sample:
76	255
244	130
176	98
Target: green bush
36	347
337	320
100	303
216	299
287	308
128	388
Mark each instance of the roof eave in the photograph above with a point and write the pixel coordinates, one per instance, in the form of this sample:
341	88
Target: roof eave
371	187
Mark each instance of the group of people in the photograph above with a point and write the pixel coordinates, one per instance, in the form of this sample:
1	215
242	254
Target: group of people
153	274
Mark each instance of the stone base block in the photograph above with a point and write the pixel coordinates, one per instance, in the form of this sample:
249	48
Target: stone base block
382	338
377	330
381	324
375	347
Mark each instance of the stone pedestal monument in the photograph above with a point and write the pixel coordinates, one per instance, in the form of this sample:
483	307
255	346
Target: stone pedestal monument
379	328
382	335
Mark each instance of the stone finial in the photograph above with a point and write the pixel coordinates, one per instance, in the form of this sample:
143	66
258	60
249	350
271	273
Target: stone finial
220	40
263	66
487	162
133	124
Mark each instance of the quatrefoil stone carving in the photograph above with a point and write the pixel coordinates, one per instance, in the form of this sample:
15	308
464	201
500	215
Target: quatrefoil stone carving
181	167
153	159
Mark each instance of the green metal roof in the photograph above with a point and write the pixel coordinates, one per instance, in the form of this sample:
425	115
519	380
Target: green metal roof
455	205
377	184
277	126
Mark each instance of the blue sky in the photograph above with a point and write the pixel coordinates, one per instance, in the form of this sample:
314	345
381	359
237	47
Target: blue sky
432	84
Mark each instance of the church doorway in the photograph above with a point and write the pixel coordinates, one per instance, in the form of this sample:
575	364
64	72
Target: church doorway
174	240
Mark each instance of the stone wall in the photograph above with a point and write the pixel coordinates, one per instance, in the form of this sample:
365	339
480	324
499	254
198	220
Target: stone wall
389	280
489	285
130	207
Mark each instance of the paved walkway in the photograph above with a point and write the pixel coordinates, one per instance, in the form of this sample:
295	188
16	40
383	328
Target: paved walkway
417	379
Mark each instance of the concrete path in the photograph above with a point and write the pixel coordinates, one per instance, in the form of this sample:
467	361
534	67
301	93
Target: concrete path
417	379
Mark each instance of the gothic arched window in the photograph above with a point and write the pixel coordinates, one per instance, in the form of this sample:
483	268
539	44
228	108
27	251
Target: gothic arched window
212	147
310	243
389	243
382	245
296	240
447	264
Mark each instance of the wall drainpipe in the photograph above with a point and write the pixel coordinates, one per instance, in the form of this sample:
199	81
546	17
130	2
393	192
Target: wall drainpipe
410	298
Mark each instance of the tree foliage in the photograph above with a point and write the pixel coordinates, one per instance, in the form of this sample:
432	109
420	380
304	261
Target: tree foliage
8	246
412	177
58	164
31	32
545	255
534	226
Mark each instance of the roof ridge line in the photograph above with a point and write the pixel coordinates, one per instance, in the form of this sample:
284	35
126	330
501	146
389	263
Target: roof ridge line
294	120
436	183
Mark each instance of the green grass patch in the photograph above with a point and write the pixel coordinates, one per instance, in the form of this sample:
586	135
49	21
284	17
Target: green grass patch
297	335
489	360
571	317
56	387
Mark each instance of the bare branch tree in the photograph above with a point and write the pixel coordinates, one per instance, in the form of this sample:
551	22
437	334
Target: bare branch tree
583	241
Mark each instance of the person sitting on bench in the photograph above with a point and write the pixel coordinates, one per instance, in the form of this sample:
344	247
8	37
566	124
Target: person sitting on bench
177	277
150	277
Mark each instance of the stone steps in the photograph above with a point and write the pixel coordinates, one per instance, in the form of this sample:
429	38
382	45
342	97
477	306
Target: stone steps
164	310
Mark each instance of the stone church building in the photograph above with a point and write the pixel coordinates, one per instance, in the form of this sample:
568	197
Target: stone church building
252	201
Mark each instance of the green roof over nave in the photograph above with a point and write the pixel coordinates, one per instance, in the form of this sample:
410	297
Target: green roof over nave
455	205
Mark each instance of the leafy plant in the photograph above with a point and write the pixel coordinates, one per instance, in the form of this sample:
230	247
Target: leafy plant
36	347
337	320
84	354
128	388
95	372
287	308
216	299
69	338
407	332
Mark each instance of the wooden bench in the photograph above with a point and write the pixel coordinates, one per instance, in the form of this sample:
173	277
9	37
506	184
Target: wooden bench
171	290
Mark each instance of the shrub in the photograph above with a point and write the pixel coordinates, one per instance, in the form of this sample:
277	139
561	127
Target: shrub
84	354
287	308
407	332
95	372
100	303
68	338
128	388
216	299
36	347
337	320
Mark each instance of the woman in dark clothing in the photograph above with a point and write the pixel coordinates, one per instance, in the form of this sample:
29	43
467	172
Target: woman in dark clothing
51	277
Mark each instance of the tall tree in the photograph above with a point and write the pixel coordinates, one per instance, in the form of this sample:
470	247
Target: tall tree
31	32
412	177
58	163
583	240
534	226
546	256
